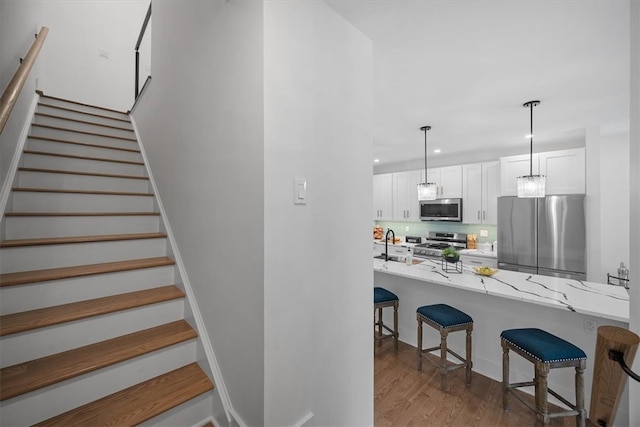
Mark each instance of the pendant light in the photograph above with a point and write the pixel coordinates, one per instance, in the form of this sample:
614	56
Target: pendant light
426	190
531	185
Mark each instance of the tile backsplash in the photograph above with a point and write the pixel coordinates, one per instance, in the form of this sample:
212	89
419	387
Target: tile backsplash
421	228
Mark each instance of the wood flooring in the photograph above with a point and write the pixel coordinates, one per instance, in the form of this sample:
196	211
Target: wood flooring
405	397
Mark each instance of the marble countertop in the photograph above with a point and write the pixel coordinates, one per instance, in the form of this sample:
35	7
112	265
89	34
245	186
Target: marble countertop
589	298
479	253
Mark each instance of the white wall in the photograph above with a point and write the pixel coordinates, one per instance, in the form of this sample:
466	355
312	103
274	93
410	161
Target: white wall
17	30
634	196
79	32
318	277
201	122
612	246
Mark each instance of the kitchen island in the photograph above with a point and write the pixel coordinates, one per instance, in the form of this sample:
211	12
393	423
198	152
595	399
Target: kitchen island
567	308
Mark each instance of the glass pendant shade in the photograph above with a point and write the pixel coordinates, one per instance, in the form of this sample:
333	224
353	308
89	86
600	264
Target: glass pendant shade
531	186
427	191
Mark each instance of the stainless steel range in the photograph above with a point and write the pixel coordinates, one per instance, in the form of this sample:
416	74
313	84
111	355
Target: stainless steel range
436	242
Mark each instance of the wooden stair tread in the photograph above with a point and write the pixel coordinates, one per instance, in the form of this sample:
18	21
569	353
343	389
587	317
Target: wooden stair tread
140	402
85	144
122	138
102	192
34	374
34	276
79	239
48	316
49	214
43	95
72	156
53	116
65	172
84	112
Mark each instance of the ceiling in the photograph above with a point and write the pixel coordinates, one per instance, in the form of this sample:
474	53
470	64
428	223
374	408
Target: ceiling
465	67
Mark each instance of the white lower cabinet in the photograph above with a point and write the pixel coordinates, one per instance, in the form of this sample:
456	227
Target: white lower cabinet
470	260
480	189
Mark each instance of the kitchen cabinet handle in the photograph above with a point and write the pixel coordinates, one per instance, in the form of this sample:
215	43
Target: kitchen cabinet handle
484	215
478	214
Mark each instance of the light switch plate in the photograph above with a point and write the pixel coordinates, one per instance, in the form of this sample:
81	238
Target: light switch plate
299	191
484	233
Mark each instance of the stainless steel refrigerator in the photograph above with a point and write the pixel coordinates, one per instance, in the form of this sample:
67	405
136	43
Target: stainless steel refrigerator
543	236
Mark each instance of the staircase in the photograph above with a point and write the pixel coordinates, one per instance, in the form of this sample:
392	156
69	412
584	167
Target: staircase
92	310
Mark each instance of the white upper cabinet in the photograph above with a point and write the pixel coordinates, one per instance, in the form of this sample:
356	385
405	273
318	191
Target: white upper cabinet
448	181
511	168
405	195
481	185
383	196
564	169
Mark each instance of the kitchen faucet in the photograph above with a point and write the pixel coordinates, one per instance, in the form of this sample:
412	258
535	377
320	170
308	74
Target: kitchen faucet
386	243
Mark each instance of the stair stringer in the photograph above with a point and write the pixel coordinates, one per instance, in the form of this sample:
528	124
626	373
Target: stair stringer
192	305
15	161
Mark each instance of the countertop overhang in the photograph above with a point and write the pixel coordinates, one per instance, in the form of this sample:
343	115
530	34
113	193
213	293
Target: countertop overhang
588	298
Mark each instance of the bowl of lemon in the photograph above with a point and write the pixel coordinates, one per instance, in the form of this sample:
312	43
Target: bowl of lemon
485	271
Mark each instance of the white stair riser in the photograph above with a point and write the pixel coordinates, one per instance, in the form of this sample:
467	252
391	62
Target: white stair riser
80	165
62	226
26	201
62	181
21	347
82	126
69	135
73	106
73	113
29	258
191	413
56	399
14	299
82	150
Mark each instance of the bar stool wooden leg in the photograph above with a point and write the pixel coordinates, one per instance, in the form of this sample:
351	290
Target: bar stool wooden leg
505	376
380	321
419	343
396	335
443	358
542	371
582	417
469	360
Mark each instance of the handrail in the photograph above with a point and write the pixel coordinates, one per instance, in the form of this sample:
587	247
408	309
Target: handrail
12	92
137	49
618	356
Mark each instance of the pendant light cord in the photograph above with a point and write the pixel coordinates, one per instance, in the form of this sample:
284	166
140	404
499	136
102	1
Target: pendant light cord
425	129
425	154
531	143
531	104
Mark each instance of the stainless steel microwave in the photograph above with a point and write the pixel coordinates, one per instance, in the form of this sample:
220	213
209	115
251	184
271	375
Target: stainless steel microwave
441	210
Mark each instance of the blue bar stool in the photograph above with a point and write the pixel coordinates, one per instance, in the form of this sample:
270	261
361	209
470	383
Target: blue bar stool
384	298
445	319
546	352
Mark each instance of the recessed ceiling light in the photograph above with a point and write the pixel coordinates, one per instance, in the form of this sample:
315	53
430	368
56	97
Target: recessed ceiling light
376	160
437	150
529	136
